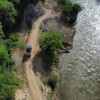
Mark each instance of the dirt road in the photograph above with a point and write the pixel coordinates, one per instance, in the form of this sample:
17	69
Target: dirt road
35	91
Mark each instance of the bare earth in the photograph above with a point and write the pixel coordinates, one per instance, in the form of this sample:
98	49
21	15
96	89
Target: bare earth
31	79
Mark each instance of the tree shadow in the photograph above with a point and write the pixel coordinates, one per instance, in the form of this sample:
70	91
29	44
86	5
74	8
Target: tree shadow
40	65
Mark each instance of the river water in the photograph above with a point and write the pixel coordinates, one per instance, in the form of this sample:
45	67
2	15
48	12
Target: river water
80	69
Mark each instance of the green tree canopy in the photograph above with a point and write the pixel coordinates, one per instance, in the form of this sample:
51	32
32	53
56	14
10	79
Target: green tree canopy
7	13
51	41
8	85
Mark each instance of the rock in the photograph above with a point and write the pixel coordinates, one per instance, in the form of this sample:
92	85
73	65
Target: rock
32	12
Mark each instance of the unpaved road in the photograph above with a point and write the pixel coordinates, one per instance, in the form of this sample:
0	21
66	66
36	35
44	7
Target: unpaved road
35	91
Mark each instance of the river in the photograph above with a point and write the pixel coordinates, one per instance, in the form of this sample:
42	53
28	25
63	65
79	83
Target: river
80	69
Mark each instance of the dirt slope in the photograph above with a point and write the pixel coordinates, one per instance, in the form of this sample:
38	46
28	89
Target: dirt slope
35	91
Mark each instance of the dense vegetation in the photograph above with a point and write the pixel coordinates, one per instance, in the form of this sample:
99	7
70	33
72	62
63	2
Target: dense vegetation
8	85
69	11
50	42
11	14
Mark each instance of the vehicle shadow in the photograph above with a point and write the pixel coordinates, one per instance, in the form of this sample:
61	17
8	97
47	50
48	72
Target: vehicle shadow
40	65
26	57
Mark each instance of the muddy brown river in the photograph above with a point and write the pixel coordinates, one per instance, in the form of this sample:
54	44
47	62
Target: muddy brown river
80	69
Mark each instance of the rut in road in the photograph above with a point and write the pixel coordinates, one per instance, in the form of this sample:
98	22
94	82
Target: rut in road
35	91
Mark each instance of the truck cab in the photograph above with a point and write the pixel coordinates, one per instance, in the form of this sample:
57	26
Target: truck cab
29	49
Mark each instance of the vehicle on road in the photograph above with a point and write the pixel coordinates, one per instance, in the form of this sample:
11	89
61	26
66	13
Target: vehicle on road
27	54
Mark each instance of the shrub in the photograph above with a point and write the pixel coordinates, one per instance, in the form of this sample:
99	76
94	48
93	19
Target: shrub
51	81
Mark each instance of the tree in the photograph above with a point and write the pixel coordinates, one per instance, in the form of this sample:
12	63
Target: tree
7	13
51	41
